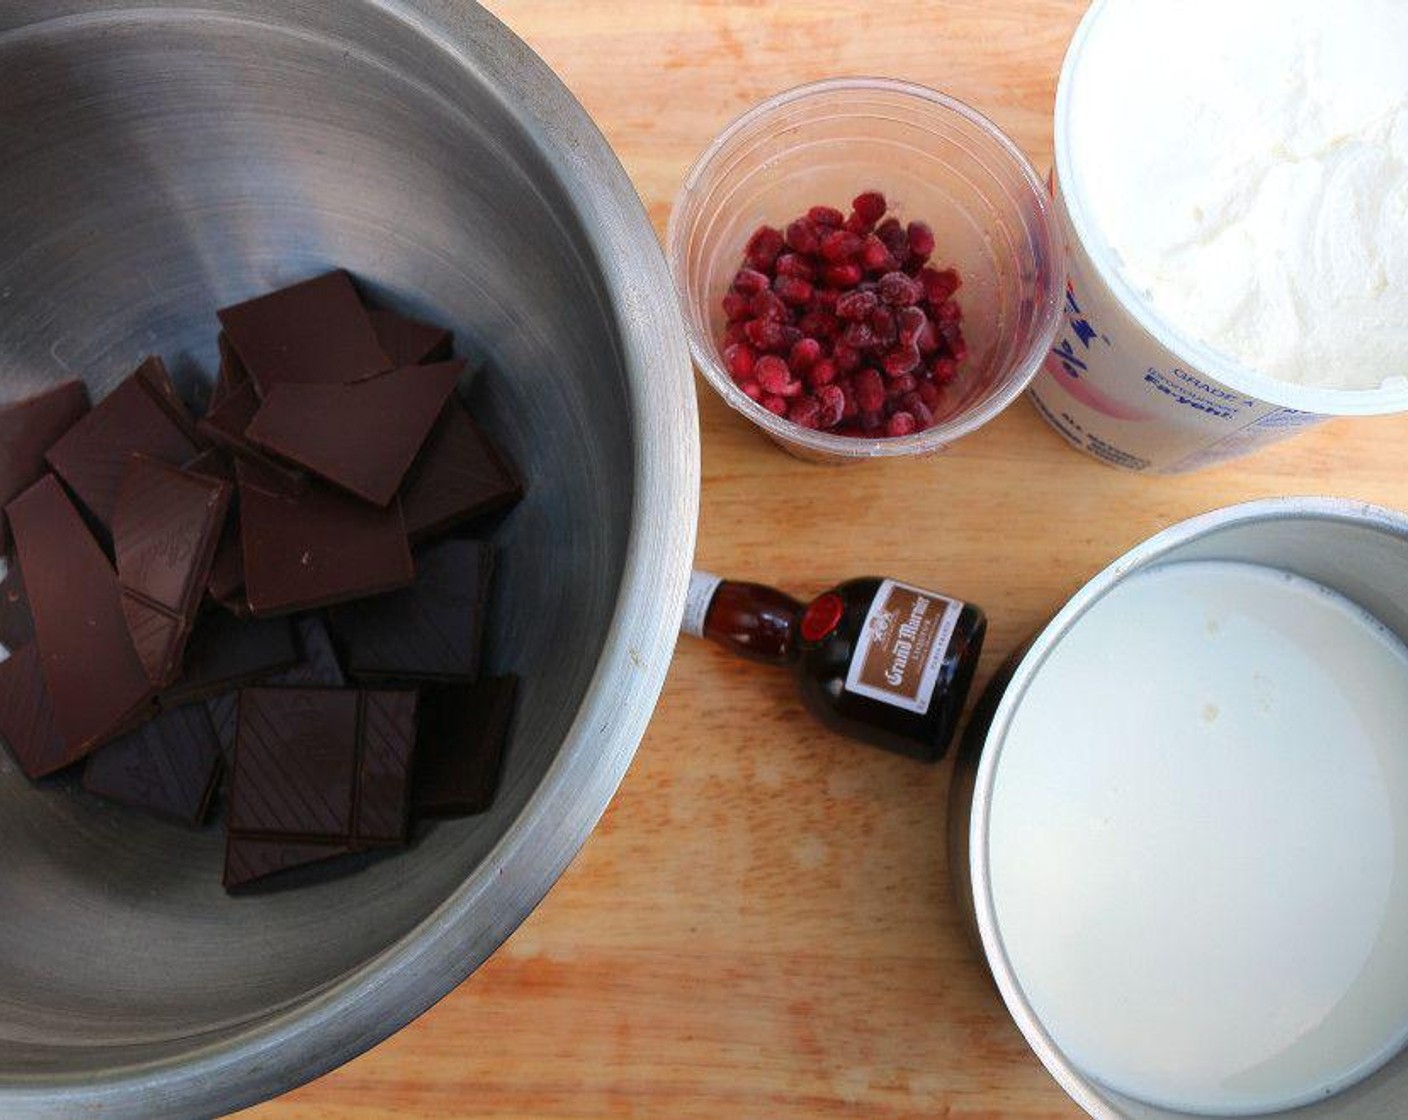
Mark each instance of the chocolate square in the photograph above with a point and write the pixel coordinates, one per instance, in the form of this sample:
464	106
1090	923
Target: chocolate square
409	342
28	428
459	476
169	766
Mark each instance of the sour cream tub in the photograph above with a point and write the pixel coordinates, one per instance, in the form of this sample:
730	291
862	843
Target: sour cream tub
1123	384
1356	553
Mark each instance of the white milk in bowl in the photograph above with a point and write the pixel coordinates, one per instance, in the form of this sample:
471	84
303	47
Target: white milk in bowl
1198	823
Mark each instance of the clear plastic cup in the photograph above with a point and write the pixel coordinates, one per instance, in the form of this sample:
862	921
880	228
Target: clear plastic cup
936	160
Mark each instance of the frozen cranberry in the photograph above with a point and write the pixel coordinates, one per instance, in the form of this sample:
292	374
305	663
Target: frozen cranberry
870	390
772	373
751	389
927	338
900	424
875	257
802	236
792	291
861	336
842	275
827	216
763	334
768	305
840	246
905	383
804	355
832	402
901	360
735	333
914	404
943	370
893	237
819	324
794	264
948	313
882	322
929	394
763	247
740	358
825	298
775	404
736	306
899	290
822	373
856	306
870	205
846	356
805	412
921	239
790	337
749	282
912	321
938	285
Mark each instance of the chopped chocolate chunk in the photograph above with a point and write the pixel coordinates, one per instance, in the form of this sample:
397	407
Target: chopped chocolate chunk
225	427
409	342
312	547
144	415
95	679
431	630
314	331
248	858
226	653
460	745
27	716
28	428
169	766
362	437
319	667
459	476
165	527
16	621
323	764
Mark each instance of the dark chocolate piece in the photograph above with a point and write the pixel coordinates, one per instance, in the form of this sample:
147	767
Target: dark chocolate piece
28	428
169	766
224	712
410	342
230	376
459	476
143	415
16	621
323	764
314	331
27	716
430	631
460	745
226	653
248	859
362	437
95	679
313	547
225	427
165	527
319	666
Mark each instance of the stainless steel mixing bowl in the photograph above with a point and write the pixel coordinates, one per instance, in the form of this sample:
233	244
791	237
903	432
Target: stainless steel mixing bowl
162	159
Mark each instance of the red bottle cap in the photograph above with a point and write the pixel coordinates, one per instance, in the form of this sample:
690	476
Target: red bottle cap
822	616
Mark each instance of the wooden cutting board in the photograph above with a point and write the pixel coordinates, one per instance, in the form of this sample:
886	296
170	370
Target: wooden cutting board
762	925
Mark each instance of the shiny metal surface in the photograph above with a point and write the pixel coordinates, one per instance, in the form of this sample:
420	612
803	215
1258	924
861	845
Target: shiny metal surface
1357	549
163	159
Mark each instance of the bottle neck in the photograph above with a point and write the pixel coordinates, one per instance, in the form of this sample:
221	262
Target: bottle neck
748	619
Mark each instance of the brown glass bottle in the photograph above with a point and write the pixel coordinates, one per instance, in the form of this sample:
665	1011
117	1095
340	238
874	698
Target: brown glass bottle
876	659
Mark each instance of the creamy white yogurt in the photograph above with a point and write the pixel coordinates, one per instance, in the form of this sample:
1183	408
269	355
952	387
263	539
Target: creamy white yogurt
1247	163
1199	840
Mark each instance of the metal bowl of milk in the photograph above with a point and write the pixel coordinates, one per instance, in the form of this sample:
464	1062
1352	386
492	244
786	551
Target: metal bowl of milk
1179	822
1232	183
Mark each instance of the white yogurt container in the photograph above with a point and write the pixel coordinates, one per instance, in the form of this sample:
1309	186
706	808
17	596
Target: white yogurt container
1125	384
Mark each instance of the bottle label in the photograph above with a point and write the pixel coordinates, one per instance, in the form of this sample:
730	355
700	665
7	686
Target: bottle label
702	586
901	647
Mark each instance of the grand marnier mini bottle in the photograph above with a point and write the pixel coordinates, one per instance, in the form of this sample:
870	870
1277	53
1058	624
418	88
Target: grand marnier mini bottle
876	659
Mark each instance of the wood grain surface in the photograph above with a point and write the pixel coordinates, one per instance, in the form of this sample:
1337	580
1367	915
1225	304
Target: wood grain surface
762	924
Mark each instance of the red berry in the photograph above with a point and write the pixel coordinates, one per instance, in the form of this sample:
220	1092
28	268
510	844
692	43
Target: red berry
856	306
858	225
900	424
763	334
773	374
736	306
870	390
860	336
819	324
763	247
776	405
870	205
767	305
912	322
792	291
740	358
899	290
846	356
735	333
840	246
943	370
804	355
794	264
749	282
875	257
825	216
751	389
805	412
822	373
901	361
938	286
802	236
921	239
927	338
790	337
893	237
832	404
948	313
929	394
882	322
914	404
842	275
